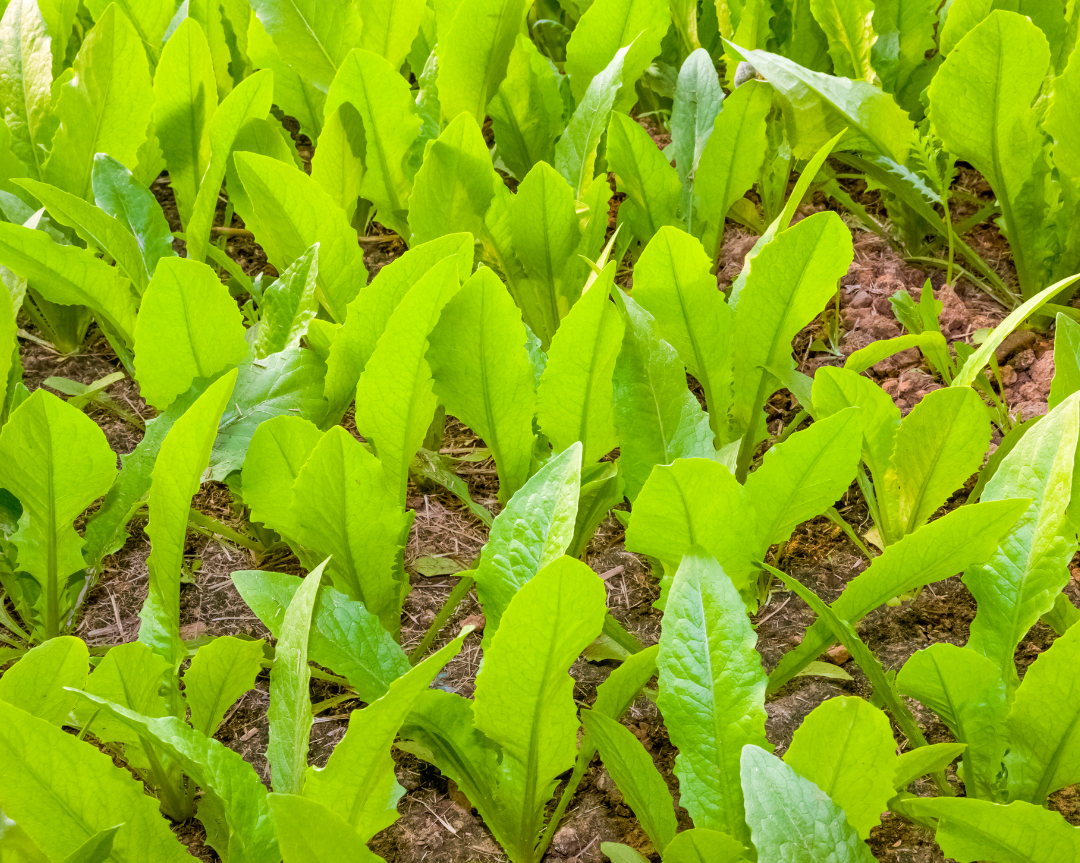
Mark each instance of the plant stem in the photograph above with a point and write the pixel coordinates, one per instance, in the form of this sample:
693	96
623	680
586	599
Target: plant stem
585	755
214	526
460	591
746	448
838	520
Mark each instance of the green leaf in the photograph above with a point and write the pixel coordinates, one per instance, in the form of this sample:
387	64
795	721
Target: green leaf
358	782
56	462
970	830
701	845
837	389
390	27
455	184
527	110
865	358
249	100
619	853
185	98
1066	360
938	446
1021	581
527	707
46	775
905	32
642	172
288	306
694	109
343	508
70	276
309	832
983	114
1044	754
802	477
286	383
290	212
26	82
673	282
95	227
338	163
96	849
189	327
575	152
966	690
824	105
221	672
607	27
732	159
345	637
918	762
36	683
792	820
847	25
845	747
128	201
391	125
278	450
789	281
658	418
150	20
180	464
394	398
313	38
474	53
635	775
483	376
575	398
290	715
16	845
233	808
546	232
712	692
966	536
533	530
105	107
369	313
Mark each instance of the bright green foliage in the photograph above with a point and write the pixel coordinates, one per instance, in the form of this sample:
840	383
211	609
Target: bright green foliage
526	708
62	792
344	636
658	418
358	782
792	820
184	455
905	32
846	24
712	692
395	402
389	28
527	110
845	747
220	673
454	186
701	845
308	832
289	714
694	108
188	328
338	165
474	55
369	313
483	376
391	125
105	107
955	541
673	282
1066	360
922	760
289	305
25	83
967	692
984	115
642	172
55	461
185	98
289	213
637	778
278	450
532	531
37	682
313	38
971	830
575	398
1021	581
605	28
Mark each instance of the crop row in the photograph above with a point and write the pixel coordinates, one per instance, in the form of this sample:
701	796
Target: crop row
510	312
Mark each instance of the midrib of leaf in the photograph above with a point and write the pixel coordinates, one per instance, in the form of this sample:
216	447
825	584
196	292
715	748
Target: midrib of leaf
493	442
314	37
798	485
52	585
30	131
703	376
584	421
489	77
1042	791
103	102
389	185
512	125
918	502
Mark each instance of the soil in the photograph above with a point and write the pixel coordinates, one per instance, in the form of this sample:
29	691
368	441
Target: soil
437	824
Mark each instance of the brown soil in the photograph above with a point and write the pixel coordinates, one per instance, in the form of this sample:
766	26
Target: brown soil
436	823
